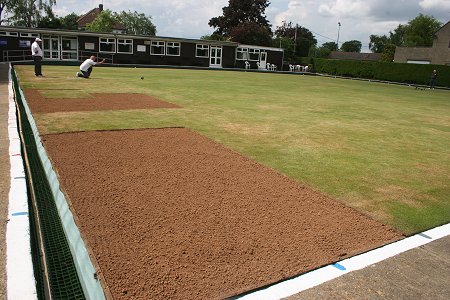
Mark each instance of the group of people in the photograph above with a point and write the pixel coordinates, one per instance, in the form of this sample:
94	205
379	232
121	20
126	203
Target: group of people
37	54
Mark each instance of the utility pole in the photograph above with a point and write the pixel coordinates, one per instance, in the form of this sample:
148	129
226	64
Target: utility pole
295	37
339	29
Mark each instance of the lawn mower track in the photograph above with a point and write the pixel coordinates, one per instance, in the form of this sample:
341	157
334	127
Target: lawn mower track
170	214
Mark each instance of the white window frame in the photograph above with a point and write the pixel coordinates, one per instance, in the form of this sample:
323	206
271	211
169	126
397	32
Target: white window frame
244	52
158	44
202	47
173	45
106	41
254	52
125	42
27	34
8	33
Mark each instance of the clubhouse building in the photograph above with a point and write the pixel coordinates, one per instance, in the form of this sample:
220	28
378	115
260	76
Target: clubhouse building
122	48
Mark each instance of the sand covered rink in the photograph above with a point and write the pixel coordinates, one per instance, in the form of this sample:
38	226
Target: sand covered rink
98	101
170	214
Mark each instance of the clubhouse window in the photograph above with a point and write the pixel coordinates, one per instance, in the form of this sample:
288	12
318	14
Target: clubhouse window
241	53
31	35
202	50
157	48
108	45
253	54
125	46
8	33
173	49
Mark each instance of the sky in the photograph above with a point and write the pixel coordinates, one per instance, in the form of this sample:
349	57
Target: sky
358	18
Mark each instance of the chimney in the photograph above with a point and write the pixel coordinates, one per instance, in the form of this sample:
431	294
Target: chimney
100	6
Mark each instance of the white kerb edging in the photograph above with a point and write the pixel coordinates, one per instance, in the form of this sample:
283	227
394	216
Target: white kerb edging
314	278
21	283
86	272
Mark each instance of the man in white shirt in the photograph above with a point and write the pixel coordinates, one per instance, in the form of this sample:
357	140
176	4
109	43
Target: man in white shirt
36	52
86	66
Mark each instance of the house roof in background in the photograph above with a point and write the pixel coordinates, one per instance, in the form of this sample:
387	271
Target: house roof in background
90	16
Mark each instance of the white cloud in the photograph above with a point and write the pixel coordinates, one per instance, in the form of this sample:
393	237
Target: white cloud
344	8
296	12
359	18
435	4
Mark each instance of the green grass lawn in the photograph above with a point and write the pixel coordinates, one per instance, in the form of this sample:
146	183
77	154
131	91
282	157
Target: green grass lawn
382	149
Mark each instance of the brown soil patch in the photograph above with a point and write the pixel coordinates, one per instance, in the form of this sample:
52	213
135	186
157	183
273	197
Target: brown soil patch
170	214
99	101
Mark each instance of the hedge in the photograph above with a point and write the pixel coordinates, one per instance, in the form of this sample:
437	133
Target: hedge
385	71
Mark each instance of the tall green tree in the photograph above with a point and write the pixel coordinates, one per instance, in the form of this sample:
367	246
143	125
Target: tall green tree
4	6
351	46
240	15
303	38
420	31
136	23
397	37
29	12
377	43
49	22
104	22
323	51
388	53
54	22
251	33
212	37
70	21
287	45
332	46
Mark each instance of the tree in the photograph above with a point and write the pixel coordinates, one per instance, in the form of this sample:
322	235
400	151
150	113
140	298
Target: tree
213	37
136	23
351	46
103	22
398	36
332	46
70	21
67	22
49	21
303	38
28	12
322	51
287	45
377	43
251	33
388	53
420	31
237	13
4	6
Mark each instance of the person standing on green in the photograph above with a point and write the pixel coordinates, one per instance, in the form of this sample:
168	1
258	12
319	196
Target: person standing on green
433	79
37	54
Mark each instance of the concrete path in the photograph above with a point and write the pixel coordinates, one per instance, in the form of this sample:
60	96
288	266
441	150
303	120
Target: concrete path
421	273
4	173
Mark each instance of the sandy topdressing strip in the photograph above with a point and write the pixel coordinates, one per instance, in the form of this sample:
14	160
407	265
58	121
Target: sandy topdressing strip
170	214
101	101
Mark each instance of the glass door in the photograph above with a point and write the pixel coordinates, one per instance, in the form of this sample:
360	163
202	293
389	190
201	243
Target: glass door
69	48
51	46
215	57
263	60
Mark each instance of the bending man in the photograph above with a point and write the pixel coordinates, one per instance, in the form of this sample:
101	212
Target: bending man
86	66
